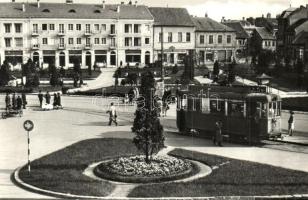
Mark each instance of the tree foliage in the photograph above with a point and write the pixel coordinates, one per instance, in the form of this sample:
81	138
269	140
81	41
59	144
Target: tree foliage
231	74
54	76
149	137
4	73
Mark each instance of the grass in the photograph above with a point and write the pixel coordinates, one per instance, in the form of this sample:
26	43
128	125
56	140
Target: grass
296	104
237	178
62	170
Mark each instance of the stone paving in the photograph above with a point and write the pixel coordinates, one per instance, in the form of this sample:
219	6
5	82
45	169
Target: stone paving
82	119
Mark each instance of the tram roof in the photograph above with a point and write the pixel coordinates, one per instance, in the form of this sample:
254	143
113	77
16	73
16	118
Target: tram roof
251	93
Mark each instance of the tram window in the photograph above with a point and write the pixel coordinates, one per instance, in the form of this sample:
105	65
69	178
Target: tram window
205	107
217	106
264	110
272	109
190	105
198	104
184	102
179	101
236	109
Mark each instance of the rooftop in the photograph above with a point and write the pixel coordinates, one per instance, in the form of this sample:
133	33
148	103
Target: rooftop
240	31
206	24
264	33
171	17
79	11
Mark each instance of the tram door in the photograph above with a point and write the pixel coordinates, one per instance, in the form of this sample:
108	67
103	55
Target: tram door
254	117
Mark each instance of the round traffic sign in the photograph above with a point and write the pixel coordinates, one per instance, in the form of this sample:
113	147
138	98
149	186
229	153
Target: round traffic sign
28	125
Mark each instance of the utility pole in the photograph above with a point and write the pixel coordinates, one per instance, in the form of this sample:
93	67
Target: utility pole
162	58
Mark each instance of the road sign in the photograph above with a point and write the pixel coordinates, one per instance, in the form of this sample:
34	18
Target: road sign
28	125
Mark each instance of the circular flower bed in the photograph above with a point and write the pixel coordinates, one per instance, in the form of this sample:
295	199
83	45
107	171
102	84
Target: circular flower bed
135	169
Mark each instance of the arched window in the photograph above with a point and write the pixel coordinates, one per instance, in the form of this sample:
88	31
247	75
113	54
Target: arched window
46	10
72	11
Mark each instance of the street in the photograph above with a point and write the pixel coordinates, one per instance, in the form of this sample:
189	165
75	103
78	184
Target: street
85	117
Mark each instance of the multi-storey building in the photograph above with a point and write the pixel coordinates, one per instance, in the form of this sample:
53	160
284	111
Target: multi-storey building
288	23
214	41
174	33
60	33
242	37
262	39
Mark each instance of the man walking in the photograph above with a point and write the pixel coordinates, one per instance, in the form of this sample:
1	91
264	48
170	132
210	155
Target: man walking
112	115
19	103
24	100
291	124
40	96
14	102
218	134
47	97
7	101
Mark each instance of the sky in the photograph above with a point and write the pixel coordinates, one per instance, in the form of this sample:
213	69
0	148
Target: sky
215	9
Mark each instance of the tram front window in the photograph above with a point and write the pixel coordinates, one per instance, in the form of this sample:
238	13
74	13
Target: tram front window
236	109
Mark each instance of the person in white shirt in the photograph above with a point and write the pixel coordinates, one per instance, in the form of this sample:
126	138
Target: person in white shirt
112	115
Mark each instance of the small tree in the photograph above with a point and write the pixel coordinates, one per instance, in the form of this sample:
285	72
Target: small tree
175	69
149	132
4	73
54	76
231	74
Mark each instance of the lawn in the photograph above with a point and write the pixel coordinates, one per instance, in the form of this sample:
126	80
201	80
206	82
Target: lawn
234	178
62	170
295	104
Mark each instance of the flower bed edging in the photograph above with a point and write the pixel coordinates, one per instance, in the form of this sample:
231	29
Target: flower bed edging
103	172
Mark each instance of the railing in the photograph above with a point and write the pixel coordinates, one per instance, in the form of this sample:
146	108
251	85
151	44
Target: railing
61	46
35	46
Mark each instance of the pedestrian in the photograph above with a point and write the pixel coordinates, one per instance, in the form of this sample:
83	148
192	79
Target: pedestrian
47	98
14	101
165	108
55	100
7	101
112	115
218	135
59	99
40	96
18	103
24	100
291	123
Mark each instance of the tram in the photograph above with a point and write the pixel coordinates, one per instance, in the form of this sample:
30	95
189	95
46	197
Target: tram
247	113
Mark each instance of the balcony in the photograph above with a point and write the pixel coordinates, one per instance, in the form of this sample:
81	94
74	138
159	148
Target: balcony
113	33
35	46
61	46
61	33
112	46
88	33
35	33
88	46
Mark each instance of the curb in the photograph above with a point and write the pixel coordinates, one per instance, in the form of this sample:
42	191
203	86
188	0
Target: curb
22	184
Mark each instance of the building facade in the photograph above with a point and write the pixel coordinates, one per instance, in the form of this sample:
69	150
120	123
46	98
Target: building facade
214	41
54	33
174	32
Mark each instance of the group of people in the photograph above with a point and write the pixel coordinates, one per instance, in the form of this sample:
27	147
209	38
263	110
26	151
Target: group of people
15	102
47	96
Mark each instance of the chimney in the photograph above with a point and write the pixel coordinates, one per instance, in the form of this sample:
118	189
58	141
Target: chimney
262	16
13	1
136	3
243	18
38	3
23	7
122	2
69	1
268	16
205	15
129	3
103	4
118	9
